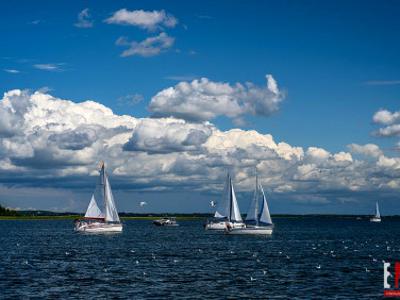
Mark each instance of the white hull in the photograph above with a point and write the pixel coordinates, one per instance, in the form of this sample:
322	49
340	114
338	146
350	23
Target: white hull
251	231
222	225
375	220
98	227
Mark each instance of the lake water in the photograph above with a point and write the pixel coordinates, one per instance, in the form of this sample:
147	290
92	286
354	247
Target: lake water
46	259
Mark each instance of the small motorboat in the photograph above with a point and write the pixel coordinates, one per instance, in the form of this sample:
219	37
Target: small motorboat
166	222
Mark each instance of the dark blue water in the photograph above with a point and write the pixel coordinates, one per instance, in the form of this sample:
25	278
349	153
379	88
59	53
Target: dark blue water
46	259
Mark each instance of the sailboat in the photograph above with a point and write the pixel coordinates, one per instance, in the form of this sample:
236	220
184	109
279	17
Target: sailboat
258	221
227	211
96	220
377	217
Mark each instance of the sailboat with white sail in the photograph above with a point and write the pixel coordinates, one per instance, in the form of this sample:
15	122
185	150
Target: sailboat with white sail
95	219
227	211
377	217
258	221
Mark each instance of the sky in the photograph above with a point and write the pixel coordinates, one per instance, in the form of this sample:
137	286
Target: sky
172	94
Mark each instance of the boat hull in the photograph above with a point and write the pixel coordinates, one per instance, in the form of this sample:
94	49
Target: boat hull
222	225
98	227
375	220
251	231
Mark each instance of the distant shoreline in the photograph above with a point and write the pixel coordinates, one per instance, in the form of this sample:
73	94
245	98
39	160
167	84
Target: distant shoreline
73	217
181	217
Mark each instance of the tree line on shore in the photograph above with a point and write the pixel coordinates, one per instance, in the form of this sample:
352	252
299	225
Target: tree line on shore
7	212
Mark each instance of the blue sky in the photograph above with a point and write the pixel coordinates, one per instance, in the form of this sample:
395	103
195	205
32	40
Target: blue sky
336	63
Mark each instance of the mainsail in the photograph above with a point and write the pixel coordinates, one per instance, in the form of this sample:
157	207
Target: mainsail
377	213
111	214
228	207
93	211
254	214
222	210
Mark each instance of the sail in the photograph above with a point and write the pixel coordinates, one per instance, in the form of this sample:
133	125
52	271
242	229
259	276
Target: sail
265	217
252	213
93	211
377	214
235	212
111	214
222	210
110	210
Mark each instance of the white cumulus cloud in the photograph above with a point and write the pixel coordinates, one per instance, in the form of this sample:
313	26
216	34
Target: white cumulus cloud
386	117
390	121
367	149
149	20
204	99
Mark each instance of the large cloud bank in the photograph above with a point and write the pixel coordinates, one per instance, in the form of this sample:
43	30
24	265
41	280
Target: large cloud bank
47	141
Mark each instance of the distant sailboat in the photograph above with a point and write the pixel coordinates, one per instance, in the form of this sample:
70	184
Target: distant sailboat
227	211
96	220
377	217
258	221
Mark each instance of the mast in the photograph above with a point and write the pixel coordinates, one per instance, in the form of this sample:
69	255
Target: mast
230	197
103	183
256	200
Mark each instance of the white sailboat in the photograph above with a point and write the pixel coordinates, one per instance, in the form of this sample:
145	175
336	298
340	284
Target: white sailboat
96	220
227	211
258	221
377	217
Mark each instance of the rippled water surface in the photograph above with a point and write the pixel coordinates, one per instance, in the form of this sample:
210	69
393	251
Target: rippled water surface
304	258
